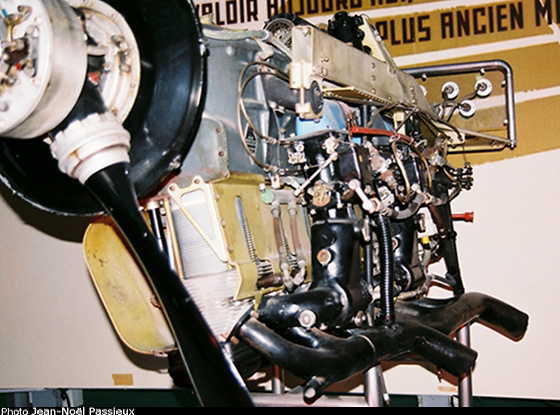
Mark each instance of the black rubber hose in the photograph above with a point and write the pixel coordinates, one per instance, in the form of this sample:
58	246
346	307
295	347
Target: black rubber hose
214	377
385	239
368	265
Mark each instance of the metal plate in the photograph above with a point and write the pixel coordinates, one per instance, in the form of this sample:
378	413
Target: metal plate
125	292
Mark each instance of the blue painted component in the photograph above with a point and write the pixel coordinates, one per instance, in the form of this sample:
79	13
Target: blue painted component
332	119
357	140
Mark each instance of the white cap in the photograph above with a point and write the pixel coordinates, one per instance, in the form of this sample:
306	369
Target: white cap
89	145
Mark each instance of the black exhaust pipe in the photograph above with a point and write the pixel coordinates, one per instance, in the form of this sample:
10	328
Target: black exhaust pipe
421	327
449	315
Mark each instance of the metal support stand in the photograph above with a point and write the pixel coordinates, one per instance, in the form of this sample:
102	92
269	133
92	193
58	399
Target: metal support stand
465	382
374	387
278	387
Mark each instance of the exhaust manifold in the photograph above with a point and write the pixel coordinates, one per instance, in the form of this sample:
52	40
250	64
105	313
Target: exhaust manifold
422	327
